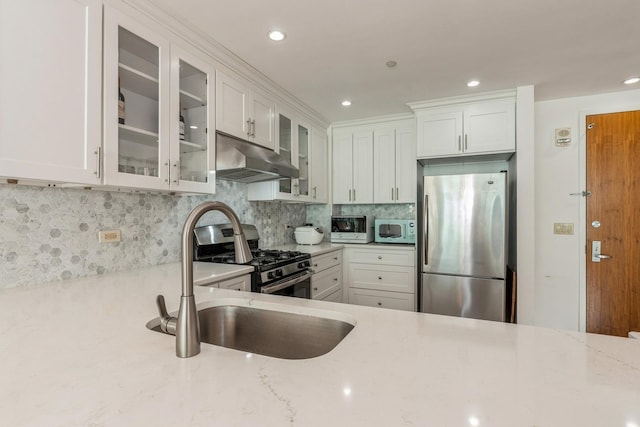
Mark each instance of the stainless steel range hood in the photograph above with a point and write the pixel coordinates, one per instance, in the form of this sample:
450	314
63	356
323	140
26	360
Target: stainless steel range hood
239	160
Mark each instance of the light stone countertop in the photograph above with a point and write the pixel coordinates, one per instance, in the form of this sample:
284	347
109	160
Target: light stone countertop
77	353
325	247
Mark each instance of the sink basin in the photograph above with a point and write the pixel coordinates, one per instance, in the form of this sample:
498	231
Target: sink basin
274	333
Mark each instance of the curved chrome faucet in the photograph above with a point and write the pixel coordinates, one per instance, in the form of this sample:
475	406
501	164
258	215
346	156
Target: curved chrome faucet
186	326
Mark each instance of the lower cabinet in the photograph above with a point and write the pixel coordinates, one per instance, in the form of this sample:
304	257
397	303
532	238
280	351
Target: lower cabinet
381	277
326	281
240	283
383	299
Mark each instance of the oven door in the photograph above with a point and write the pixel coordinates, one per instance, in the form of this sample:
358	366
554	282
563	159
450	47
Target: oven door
298	286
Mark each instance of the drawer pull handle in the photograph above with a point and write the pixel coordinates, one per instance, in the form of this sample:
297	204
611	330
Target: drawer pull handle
335	279
315	265
380	304
379	277
315	289
379	257
335	257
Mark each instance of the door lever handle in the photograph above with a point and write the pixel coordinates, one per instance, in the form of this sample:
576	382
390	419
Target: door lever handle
596	256
604	256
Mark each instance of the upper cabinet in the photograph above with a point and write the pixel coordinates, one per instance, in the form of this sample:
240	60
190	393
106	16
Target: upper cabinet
156	111
394	170
463	129
50	90
297	144
244	112
352	166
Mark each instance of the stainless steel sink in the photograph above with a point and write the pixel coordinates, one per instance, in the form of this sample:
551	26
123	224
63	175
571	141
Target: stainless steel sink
272	333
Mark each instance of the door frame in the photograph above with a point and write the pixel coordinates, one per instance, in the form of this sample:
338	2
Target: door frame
582	123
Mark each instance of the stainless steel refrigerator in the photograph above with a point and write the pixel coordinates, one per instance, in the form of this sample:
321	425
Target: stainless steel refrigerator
464	238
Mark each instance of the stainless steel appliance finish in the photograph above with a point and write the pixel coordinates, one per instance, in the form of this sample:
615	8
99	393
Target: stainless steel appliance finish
238	160
186	326
276	272
269	332
352	228
464	244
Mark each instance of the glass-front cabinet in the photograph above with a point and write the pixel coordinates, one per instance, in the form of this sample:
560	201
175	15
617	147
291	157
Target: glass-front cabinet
284	129
192	144
302	185
157	115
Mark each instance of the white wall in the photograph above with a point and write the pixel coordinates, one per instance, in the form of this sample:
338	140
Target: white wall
559	259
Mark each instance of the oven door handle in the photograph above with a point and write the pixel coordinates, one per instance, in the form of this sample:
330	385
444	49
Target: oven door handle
284	284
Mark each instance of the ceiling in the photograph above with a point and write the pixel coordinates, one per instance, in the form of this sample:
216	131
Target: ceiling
337	49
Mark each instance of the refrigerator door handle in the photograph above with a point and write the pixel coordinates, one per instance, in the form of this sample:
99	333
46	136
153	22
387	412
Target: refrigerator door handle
425	222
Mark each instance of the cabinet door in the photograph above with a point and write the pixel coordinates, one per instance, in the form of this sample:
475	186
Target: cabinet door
136	72
319	166
231	106
363	167
262	116
406	168
50	86
342	164
287	143
302	186
242	283
439	134
384	166
489	127
192	145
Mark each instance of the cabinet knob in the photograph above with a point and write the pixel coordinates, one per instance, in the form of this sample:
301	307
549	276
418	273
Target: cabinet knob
315	265
380	304
379	257
315	289
335	279
379	277
335	257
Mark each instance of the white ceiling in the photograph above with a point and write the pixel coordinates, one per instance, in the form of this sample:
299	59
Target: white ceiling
337	49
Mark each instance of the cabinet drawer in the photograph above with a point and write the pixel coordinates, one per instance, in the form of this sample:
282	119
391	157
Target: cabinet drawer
381	256
395	300
326	282
242	283
383	278
324	261
334	297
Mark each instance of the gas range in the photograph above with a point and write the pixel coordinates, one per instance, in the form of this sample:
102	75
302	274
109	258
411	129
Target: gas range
275	271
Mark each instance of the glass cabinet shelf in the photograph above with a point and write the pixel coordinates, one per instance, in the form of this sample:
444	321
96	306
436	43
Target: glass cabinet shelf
140	136
190	147
189	100
138	82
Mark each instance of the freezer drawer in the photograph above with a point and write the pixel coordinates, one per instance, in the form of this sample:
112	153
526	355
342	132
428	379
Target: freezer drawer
463	297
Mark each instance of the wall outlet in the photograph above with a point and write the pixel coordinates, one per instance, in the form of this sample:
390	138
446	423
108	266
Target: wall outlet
108	236
563	228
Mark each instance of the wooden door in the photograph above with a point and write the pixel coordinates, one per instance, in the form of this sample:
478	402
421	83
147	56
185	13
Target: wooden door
613	218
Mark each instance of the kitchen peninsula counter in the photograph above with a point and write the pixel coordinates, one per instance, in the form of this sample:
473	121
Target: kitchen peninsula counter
77	353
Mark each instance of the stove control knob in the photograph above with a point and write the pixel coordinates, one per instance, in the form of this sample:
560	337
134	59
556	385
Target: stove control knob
271	275
279	273
301	265
307	263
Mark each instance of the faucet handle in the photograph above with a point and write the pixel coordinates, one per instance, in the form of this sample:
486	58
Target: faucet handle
167	323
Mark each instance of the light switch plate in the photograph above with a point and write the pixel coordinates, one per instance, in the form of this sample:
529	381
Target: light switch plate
563	228
109	236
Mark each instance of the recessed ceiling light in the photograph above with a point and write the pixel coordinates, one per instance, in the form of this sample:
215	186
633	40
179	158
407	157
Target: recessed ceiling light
473	83
277	35
632	80
346	103
391	64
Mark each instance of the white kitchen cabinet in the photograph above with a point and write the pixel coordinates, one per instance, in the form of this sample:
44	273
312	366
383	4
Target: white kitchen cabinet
352	166
319	166
326	280
382	299
297	145
50	90
244	112
161	83
394	170
242	283
482	127
381	277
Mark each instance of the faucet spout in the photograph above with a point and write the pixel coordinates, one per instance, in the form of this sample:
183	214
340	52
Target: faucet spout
187	325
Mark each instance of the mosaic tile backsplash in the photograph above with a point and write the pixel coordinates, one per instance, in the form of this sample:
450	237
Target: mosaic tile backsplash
50	234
